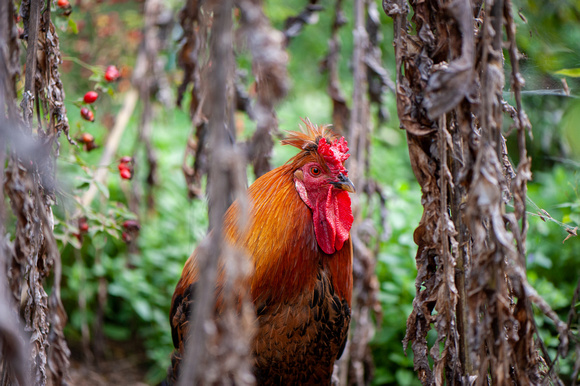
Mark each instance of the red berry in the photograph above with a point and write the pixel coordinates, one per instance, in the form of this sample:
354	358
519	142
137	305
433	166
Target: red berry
123	166
125	159
91	96
83	225
125	174
112	74
63	3
87	114
87	138
131	224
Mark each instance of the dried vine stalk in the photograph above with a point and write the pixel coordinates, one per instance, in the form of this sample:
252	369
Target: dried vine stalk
29	146
191	59
14	348
471	282
340	110
151	81
269	62
356	364
294	24
218	350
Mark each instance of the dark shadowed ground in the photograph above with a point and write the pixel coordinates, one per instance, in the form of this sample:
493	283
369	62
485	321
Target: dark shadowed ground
123	365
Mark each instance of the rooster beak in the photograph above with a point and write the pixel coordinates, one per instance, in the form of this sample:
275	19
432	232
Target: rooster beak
344	183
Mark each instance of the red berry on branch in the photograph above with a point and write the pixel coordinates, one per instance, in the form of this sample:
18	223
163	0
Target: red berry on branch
87	114
87	138
91	96
111	74
83	225
88	142
126	159
123	166
131	224
63	3
125	174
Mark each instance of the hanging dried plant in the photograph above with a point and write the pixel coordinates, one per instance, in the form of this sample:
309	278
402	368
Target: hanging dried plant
471	282
29	147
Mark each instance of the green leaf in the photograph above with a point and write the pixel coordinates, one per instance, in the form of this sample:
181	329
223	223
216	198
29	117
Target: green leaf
572	72
99	240
113	232
96	76
103	189
99	270
142	308
72	25
117	332
83	185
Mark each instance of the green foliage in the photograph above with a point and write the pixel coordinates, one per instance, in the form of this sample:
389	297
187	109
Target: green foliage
396	272
553	262
547	36
139	286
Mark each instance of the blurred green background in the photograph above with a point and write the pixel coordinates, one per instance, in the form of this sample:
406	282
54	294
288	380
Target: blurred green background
124	293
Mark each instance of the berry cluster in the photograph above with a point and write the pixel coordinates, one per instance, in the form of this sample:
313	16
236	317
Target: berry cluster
111	75
126	167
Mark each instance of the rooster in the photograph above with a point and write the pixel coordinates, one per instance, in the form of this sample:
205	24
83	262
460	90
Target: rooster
298	239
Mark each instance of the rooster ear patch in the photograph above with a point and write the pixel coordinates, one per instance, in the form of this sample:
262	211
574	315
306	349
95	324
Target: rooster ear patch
299	184
299	175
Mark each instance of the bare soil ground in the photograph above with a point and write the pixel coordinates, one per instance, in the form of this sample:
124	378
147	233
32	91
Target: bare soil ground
121	366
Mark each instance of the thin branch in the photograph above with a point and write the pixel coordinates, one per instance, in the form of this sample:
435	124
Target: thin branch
202	365
32	27
294	24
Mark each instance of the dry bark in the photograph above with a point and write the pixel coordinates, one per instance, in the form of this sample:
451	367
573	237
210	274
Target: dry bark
192	60
29	138
218	351
356	364
151	81
269	61
471	282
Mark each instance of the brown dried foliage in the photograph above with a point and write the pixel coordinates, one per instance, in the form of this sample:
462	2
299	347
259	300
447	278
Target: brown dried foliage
267	46
471	281
152	83
294	24
356	364
340	110
193	22
218	351
29	148
269	61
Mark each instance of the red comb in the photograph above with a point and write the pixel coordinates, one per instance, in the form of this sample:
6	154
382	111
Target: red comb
334	154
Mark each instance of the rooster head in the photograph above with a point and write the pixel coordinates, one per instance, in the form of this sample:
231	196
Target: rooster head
322	183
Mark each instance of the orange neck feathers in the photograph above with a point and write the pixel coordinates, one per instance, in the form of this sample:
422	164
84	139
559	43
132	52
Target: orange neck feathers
280	239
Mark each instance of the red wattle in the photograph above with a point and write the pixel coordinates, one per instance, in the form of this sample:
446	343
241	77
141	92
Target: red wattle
344	218
332	220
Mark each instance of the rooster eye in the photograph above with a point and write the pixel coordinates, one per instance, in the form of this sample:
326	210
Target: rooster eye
314	171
